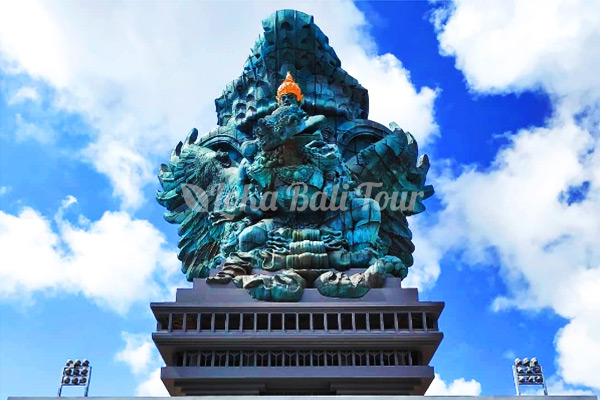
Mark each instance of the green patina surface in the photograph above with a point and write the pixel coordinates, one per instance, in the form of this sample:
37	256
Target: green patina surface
267	148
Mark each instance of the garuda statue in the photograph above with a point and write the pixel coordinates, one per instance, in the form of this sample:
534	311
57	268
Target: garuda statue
295	188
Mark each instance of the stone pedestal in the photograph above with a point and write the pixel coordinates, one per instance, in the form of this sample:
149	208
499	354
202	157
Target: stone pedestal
216	340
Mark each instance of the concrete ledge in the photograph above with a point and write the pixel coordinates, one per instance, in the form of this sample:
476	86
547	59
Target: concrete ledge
323	398
224	295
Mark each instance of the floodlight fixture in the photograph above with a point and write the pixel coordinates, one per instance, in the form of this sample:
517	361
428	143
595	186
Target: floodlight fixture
528	372
520	369
76	373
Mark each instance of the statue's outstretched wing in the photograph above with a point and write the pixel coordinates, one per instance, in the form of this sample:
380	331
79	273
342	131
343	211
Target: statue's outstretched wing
194	181
393	162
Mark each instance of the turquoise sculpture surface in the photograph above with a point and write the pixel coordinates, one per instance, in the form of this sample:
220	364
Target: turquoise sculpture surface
295	187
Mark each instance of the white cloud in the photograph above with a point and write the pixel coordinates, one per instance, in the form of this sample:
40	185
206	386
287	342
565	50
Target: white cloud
143	359
525	207
556	387
5	190
509	355
137	353
126	168
26	130
547	248
144	74
515	45
577	343
392	96
115	261
23	94
458	387
426	269
152	386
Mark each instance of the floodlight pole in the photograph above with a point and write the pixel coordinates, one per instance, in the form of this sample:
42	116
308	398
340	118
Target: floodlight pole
89	378
544	382
516	379
60	386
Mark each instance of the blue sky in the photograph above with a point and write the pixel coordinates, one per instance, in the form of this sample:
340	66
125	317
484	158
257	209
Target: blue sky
502	96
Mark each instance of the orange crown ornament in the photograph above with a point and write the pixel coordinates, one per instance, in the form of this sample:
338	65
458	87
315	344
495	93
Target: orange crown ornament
289	86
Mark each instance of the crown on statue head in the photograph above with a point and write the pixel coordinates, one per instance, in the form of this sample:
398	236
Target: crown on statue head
289	86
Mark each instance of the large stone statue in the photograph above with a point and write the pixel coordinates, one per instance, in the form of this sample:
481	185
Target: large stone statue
296	187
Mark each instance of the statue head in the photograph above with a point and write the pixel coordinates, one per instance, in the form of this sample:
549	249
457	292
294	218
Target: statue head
289	92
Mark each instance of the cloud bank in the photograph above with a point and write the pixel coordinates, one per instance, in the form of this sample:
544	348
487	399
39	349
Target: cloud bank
458	387
115	262
537	207
142	75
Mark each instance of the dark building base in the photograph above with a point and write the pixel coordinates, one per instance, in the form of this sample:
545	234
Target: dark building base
314	381
217	340
376	397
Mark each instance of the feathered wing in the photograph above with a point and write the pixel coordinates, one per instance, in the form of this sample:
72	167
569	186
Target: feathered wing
393	162
186	195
